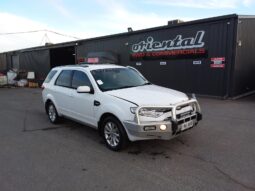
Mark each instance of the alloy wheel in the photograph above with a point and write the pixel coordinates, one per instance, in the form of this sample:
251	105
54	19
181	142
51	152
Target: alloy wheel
112	134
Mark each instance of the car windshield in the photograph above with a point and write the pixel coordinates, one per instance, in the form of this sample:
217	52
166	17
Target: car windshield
118	78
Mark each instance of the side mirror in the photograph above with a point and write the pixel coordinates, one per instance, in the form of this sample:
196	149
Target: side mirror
83	89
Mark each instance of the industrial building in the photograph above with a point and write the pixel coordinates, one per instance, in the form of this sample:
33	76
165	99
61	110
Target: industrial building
212	57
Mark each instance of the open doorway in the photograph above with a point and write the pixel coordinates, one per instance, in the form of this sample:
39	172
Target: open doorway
62	56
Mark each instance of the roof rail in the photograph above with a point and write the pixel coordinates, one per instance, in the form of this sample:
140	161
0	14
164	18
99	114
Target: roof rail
74	65
85	65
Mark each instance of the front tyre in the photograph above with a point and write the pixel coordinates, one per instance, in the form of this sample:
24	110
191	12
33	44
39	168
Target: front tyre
52	113
114	134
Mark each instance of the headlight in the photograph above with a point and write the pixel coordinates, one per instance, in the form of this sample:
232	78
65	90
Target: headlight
152	112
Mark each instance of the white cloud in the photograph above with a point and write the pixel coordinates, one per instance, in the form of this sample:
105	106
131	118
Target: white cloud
61	8
209	4
248	2
13	23
118	18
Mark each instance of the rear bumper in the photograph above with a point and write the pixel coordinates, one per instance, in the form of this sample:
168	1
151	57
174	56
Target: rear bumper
151	130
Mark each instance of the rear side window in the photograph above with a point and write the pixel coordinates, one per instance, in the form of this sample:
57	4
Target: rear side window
64	78
50	76
80	79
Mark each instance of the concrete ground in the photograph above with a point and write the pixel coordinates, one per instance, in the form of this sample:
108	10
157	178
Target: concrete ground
38	156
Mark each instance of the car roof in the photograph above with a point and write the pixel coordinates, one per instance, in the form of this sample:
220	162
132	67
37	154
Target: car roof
89	66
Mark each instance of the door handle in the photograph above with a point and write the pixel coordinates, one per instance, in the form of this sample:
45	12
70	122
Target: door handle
96	103
71	95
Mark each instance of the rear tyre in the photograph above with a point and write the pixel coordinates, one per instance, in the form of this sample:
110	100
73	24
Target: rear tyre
52	113
114	134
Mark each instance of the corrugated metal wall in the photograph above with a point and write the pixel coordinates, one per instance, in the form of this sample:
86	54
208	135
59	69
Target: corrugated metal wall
37	61
196	73
3	62
179	73
244	70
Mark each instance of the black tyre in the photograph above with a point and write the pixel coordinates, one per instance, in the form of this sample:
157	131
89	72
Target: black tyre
52	113
114	134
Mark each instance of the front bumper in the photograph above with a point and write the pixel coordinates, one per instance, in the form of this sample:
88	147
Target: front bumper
173	128
138	130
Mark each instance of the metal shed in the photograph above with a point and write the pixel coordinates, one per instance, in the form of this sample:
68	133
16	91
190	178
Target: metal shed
211	56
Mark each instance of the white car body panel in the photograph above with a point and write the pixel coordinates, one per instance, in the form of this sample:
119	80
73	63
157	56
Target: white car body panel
150	95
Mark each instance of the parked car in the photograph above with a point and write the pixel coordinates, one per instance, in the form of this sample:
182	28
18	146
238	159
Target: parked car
119	102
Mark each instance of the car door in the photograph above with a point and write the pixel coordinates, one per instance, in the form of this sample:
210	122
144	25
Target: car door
63	92
82	103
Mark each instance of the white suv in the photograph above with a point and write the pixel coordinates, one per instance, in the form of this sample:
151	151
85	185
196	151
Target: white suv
119	102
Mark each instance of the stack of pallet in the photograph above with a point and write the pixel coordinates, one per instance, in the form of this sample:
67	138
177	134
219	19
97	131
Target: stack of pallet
33	85
31	80
3	80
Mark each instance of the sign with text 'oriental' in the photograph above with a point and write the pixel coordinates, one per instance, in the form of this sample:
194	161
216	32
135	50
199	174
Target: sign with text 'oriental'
176	48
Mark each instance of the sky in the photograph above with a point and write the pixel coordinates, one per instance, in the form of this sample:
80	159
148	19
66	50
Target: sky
83	19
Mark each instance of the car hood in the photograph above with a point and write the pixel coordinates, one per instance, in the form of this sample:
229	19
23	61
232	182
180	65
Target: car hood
149	95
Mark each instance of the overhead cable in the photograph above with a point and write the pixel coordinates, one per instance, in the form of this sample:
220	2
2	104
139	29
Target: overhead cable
43	30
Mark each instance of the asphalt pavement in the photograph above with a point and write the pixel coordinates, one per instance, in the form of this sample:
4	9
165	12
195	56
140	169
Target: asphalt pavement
35	155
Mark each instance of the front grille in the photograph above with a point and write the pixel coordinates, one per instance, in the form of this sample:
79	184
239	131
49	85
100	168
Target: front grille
184	115
186	119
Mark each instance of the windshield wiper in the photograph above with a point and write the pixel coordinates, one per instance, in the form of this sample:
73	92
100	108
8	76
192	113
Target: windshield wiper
126	87
147	83
120	88
123	87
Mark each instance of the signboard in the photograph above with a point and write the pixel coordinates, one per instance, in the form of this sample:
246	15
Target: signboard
197	62
162	63
93	60
178	47
218	62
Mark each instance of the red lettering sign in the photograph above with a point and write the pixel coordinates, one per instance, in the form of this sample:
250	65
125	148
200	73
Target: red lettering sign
93	60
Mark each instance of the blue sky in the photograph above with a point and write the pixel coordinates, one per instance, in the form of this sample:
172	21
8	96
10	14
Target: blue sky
85	19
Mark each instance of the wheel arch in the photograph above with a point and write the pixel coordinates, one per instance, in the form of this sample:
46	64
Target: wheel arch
48	101
101	119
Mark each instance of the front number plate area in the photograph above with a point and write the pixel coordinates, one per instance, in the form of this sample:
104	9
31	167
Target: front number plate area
186	125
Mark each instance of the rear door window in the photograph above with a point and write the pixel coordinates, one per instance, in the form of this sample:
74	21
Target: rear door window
80	79
64	78
50	76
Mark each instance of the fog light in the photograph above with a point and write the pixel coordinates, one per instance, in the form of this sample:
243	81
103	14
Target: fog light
162	127
149	128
